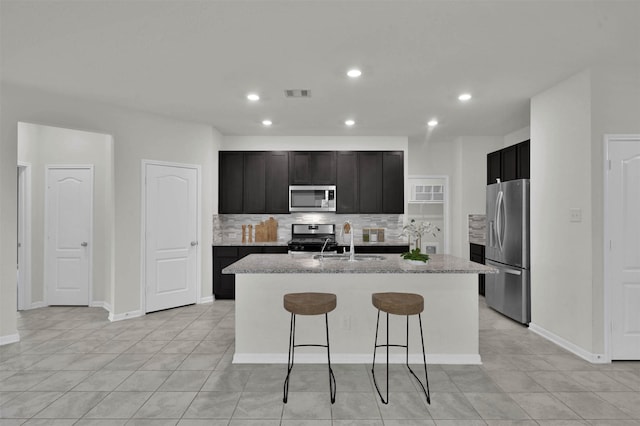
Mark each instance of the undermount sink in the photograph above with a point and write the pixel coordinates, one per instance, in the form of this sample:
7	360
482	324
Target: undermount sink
346	257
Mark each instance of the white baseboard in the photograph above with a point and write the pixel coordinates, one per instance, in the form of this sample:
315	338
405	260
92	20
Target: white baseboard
125	316
101	304
206	299
281	358
11	338
571	347
36	305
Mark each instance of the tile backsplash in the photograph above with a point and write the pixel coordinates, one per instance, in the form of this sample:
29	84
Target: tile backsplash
227	228
477	228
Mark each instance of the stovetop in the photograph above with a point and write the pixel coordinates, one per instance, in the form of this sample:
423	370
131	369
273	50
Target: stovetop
311	237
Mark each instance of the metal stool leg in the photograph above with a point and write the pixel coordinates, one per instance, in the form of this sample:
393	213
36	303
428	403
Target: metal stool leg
290	360
375	347
424	359
292	337
332	378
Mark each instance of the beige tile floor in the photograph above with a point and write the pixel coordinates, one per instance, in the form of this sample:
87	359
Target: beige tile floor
74	367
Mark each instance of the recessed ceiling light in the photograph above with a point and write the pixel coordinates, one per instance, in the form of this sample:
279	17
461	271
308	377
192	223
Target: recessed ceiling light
464	97
253	97
432	123
349	122
354	73
267	123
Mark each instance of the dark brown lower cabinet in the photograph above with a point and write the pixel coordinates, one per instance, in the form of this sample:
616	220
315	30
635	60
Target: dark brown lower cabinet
374	249
224	285
476	254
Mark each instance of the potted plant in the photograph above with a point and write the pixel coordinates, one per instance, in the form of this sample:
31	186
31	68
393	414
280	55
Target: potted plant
415	230
415	257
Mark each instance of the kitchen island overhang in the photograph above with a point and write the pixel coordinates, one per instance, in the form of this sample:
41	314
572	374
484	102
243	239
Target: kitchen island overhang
447	283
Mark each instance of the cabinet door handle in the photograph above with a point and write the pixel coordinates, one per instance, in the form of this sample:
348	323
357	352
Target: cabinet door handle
84	244
194	243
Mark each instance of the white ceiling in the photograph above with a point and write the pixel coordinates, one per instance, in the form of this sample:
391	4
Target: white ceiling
197	60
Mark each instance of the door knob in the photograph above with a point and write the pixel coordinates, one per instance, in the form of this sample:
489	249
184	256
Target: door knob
84	244
194	243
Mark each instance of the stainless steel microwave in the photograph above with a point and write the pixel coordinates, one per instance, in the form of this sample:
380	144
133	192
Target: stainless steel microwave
312	198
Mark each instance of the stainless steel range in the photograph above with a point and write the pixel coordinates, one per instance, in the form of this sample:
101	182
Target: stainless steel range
311	237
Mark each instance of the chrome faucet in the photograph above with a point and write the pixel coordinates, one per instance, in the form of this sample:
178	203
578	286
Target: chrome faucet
323	247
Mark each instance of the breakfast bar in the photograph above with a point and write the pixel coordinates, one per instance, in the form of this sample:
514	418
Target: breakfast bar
448	284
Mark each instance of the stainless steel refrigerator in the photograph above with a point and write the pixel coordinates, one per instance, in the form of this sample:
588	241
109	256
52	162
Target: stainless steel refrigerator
507	249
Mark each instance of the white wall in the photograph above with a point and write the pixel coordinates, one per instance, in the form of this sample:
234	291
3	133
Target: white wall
8	226
315	143
568	125
464	160
137	136
615	93
45	145
518	136
561	255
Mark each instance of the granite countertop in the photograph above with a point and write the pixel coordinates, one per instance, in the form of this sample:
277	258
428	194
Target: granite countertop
390	264
251	244
284	243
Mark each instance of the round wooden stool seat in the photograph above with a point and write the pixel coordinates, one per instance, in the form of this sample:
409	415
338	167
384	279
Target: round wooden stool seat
398	303
310	303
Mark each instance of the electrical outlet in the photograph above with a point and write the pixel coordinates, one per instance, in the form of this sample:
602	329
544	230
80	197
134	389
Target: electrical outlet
575	215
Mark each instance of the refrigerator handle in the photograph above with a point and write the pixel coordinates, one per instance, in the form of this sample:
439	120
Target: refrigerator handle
491	233
499	219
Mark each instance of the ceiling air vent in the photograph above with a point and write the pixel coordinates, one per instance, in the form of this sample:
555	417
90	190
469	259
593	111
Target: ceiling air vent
297	93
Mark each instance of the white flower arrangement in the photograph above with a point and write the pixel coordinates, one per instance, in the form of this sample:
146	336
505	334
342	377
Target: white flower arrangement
415	230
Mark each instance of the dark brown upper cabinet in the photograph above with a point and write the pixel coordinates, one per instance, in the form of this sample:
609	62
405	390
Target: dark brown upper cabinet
254	200
277	179
253	182
258	181
347	182
312	168
380	182
369	182
509	164
512	162
393	182
230	182
524	159
494	160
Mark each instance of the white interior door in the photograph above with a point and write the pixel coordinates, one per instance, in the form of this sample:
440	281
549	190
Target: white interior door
624	255
171	236
24	235
69	201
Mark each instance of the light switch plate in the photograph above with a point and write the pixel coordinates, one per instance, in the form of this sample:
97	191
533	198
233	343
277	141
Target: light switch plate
575	215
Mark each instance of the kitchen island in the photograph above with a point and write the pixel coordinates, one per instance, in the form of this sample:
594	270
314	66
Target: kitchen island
447	283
